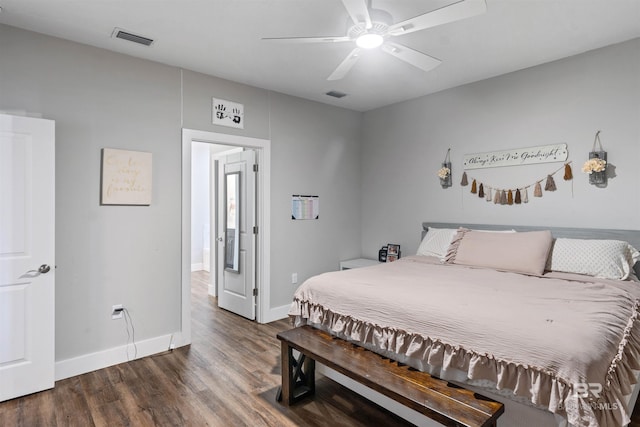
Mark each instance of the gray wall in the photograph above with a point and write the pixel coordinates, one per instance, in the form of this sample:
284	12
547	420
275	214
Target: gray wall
315	149
105	255
317	153
566	101
131	255
371	192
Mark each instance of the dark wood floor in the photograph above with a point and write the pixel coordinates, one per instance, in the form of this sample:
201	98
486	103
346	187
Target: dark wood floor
227	377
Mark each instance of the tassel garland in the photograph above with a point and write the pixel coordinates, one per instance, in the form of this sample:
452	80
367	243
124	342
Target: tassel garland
516	196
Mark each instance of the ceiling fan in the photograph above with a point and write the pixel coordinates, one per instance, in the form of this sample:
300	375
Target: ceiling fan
371	28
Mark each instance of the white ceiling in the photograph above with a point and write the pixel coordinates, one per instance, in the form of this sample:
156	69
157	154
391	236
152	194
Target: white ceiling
223	38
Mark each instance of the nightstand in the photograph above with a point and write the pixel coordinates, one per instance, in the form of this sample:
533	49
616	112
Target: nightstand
357	263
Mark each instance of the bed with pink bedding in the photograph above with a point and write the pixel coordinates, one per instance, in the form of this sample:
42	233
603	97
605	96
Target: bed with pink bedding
564	343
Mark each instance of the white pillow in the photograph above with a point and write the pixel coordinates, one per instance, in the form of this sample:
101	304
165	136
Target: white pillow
436	242
607	259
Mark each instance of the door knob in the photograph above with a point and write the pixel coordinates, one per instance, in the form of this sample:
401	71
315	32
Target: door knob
31	274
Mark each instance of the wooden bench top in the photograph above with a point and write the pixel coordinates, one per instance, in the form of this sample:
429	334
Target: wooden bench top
437	399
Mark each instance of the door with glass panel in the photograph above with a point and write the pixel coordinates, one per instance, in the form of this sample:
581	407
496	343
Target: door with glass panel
235	231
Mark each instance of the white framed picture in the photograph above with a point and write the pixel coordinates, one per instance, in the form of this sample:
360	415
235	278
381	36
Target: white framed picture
228	113
126	177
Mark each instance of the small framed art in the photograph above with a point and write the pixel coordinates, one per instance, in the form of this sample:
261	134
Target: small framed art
126	177
393	252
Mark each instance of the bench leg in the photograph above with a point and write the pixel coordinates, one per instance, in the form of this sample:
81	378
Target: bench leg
298	376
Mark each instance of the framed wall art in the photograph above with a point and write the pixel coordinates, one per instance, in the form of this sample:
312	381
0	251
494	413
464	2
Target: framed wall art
228	113
126	177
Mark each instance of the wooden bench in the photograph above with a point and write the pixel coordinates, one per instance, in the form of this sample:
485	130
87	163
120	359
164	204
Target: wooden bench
437	399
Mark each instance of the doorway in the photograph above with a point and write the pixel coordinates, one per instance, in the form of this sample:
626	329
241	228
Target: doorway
204	198
262	148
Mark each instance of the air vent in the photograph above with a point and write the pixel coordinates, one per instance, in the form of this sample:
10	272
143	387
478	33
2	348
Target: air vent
126	35
336	94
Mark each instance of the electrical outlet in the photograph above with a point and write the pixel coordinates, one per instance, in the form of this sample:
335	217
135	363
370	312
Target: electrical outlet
117	311
294	278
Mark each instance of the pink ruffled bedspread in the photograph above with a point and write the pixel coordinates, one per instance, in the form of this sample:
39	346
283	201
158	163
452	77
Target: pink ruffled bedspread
541	337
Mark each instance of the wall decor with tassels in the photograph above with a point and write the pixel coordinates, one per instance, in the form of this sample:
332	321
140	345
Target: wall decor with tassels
516	194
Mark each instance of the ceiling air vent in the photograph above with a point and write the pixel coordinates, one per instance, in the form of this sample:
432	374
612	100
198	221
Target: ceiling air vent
336	94
125	35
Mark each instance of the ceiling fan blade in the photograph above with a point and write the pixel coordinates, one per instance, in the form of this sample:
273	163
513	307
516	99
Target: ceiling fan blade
411	56
328	39
345	65
358	11
454	12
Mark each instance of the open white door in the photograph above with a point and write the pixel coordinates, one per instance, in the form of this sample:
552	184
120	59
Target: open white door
27	248
236	240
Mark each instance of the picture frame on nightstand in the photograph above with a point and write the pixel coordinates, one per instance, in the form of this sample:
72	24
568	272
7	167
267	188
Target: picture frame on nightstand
393	252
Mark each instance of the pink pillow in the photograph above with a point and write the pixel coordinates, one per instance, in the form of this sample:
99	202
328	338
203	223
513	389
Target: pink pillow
525	252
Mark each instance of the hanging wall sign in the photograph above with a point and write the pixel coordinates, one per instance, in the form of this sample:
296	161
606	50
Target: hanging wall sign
305	207
126	177
227	113
516	157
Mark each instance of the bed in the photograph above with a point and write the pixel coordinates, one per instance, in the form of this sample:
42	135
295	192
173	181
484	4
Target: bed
558	347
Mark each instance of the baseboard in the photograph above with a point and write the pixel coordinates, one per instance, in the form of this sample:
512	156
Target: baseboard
93	361
277	313
197	266
212	290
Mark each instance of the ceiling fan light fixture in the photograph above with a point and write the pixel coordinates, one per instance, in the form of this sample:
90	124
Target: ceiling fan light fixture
369	40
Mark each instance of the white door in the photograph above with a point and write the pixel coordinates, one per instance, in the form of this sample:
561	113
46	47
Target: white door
236	239
27	265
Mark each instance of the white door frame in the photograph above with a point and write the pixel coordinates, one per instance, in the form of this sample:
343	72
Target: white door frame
263	205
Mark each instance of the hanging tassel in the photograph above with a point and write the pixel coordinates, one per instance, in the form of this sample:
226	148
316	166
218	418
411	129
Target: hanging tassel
488	196
510	198
568	175
474	189
518	199
537	190
464	181
550	185
503	197
481	191
525	198
496	199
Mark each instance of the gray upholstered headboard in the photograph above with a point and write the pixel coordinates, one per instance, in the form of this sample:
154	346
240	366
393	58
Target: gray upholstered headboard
631	236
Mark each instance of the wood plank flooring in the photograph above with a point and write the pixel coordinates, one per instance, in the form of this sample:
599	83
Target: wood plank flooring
227	377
